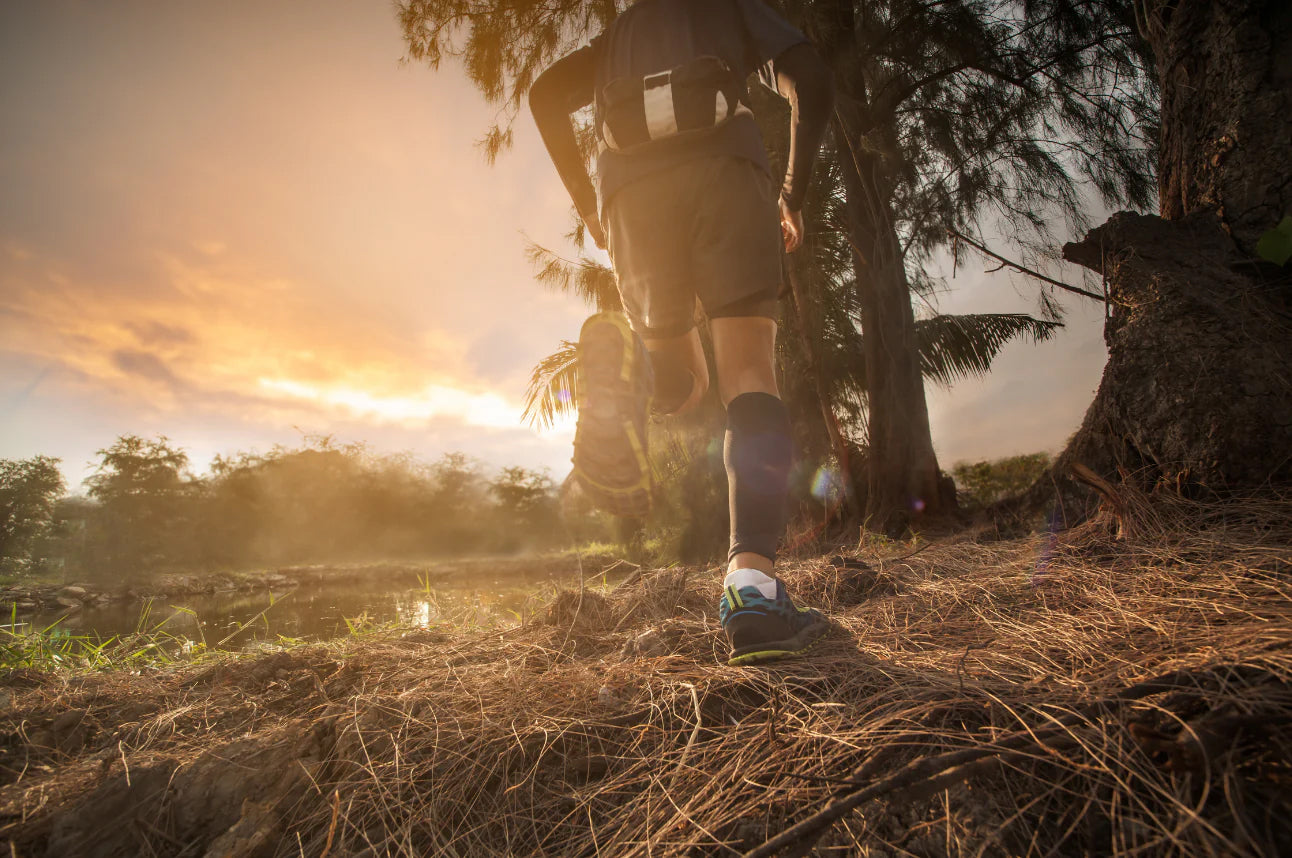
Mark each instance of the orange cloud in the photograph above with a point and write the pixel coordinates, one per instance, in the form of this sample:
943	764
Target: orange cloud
211	332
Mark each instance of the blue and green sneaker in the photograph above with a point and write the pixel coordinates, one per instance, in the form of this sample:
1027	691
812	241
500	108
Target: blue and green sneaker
765	629
615	386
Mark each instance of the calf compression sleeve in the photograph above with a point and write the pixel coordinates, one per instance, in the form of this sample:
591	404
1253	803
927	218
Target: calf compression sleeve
757	455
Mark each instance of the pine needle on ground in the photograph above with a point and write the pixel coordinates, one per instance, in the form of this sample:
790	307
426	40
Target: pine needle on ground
1121	688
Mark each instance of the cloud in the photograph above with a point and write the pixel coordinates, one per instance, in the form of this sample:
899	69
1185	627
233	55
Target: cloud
152	333
213	333
144	365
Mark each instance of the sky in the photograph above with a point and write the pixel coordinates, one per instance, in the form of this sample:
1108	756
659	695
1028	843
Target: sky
239	223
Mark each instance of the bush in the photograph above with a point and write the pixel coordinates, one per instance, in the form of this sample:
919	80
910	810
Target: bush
29	489
984	483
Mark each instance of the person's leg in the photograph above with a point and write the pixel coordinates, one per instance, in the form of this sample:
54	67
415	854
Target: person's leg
681	371
618	375
762	622
757	449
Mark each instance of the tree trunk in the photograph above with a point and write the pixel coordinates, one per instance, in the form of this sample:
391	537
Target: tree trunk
1196	390
1225	68
904	479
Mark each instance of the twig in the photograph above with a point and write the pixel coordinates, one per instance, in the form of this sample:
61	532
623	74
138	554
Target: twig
1022	269
121	748
695	701
331	829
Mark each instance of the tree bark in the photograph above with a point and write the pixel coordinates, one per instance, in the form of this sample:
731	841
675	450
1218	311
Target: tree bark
1197	390
1225	68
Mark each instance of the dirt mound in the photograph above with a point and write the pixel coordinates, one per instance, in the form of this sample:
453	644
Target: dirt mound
1118	688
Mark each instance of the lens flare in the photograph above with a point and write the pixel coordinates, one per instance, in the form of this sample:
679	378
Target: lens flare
918	504
826	485
1041	572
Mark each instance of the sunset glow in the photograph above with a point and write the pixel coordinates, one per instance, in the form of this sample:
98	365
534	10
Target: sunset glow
234	224
478	409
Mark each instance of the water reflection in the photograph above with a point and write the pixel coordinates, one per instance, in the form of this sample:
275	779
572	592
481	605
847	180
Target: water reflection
313	612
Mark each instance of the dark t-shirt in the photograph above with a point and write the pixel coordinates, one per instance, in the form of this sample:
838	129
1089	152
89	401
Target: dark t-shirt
657	35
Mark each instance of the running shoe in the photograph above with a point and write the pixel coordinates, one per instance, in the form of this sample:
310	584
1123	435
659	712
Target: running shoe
615	383
762	629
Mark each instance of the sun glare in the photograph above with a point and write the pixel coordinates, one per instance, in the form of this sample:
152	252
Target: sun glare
475	409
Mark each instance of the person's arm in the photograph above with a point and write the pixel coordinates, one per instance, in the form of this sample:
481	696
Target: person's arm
565	87
803	78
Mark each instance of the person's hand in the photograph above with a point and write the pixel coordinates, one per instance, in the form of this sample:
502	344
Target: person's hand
598	236
791	227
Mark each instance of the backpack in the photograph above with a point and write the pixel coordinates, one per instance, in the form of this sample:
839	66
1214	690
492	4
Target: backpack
690	99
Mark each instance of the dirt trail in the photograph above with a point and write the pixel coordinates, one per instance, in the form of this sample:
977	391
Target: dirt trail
990	669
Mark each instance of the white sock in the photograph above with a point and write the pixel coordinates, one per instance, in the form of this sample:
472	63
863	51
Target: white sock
751	578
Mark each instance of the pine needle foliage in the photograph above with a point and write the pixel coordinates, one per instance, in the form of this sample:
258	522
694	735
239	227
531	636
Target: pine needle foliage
583	278
503	45
982	111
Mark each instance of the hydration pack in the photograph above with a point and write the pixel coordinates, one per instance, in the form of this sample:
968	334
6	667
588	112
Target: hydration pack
692	98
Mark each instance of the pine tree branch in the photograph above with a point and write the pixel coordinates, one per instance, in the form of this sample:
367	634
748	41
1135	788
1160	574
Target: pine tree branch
1022	269
886	107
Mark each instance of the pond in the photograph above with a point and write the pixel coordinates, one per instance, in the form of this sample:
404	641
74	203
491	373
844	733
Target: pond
320	610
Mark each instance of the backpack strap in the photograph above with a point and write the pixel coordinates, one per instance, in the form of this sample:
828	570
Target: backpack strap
749	50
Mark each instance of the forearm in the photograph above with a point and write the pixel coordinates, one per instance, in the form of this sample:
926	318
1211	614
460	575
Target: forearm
557	93
558	136
804	79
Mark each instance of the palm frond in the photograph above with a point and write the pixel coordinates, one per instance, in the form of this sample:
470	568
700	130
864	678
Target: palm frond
552	386
956	347
584	278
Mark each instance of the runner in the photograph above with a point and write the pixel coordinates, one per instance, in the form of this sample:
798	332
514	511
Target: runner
688	210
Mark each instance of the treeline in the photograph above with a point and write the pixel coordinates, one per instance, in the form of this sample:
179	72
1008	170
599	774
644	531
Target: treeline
145	511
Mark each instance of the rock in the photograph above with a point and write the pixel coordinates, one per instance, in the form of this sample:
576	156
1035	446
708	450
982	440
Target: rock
72	592
74	604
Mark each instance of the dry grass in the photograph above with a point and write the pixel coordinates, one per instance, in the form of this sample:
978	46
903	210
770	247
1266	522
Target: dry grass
974	701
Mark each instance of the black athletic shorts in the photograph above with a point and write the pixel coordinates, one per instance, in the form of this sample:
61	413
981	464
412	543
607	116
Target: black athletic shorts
708	228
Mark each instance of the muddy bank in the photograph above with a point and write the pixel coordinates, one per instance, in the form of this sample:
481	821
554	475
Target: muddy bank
38	597
1082	694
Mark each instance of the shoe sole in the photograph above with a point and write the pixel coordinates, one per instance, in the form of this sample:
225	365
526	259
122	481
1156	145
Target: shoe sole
608	361
777	650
